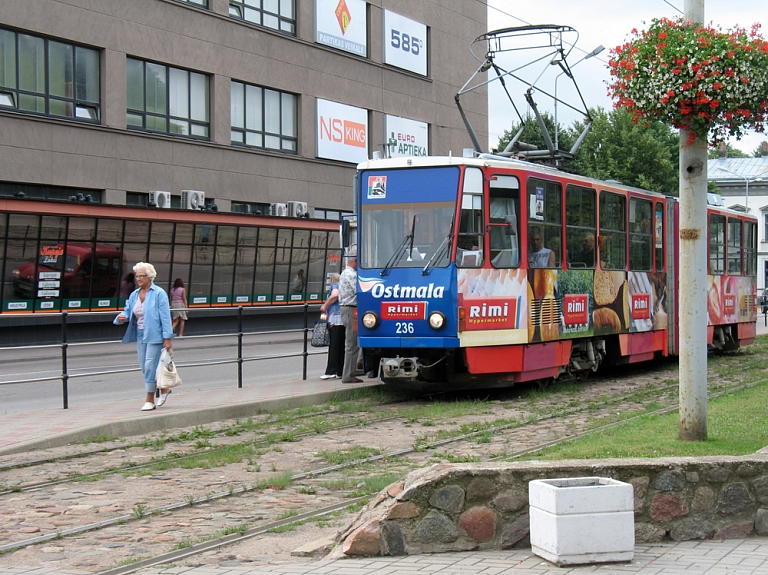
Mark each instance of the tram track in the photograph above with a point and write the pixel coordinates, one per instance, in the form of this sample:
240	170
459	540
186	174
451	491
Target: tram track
420	447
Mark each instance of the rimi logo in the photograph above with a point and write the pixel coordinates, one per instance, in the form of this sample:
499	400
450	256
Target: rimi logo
343	132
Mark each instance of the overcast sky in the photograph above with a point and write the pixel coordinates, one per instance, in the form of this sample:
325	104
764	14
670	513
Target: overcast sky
598	22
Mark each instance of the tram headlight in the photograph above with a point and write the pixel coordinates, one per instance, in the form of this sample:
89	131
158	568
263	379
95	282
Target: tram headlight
370	320
436	320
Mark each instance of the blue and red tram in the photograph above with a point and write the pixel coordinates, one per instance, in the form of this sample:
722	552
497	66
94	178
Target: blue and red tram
65	256
493	271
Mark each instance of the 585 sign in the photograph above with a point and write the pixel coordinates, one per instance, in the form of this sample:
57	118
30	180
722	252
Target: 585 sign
405	43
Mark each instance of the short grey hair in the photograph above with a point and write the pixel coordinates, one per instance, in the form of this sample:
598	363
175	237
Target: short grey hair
334	277
144	267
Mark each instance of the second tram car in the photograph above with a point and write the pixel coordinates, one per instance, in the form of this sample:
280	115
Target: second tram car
489	271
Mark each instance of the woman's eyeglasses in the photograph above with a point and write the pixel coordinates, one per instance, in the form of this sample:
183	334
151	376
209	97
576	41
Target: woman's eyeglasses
138	277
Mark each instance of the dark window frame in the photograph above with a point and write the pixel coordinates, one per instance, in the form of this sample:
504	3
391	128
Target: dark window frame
579	225
719	257
167	116
263	133
285	25
607	233
548	224
16	93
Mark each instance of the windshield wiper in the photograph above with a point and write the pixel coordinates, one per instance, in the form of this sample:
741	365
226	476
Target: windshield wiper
440	251
397	256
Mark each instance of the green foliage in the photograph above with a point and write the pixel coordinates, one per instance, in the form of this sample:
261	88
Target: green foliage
730	152
730	425
532	133
634	154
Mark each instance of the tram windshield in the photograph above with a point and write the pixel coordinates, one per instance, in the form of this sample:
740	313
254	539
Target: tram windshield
407	217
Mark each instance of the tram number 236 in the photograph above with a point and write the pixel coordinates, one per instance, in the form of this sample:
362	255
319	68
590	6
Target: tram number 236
406	43
403	327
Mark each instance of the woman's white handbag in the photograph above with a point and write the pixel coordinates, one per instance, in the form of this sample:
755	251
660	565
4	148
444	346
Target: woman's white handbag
167	376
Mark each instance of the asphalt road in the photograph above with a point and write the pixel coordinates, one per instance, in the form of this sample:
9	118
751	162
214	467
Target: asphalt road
199	360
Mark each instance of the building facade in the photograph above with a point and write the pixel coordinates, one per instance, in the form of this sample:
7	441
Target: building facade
252	102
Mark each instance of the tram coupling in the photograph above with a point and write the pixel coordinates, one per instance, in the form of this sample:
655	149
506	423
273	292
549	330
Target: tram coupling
399	367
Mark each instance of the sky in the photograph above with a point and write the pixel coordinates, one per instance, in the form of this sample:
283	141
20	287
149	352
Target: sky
598	22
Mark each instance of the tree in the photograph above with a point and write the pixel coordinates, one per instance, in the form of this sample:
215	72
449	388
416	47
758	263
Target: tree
730	152
616	148
532	133
758	152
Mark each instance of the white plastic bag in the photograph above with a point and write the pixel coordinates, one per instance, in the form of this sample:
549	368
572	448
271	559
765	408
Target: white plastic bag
166	375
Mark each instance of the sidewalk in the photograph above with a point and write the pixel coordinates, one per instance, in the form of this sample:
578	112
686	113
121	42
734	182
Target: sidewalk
45	428
732	556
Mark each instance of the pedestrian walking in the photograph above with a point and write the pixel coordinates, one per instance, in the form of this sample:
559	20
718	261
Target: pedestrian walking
331	307
348	302
148	314
179	305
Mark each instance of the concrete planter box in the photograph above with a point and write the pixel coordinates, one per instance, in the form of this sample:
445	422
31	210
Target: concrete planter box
582	520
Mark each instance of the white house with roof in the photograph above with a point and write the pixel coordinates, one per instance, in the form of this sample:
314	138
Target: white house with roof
743	184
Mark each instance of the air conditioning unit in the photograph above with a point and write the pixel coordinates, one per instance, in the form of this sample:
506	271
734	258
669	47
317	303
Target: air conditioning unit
160	199
297	209
278	210
192	200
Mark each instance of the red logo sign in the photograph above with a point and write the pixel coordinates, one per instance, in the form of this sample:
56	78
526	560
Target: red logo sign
343	16
575	309
729	303
403	310
492	313
641	306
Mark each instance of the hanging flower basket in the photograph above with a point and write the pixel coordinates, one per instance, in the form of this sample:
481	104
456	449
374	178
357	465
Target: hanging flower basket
694	77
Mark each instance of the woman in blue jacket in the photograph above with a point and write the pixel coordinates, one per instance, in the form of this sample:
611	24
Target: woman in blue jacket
148	314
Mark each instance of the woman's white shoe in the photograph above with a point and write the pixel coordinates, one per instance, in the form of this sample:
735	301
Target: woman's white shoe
163	397
148	406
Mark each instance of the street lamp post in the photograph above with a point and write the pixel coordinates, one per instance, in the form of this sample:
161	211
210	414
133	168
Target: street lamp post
594	52
747	181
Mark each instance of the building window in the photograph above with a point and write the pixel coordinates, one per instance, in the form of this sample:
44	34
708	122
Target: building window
264	118
167	100
327	214
48	77
765	227
276	14
203	3
250	208
12	190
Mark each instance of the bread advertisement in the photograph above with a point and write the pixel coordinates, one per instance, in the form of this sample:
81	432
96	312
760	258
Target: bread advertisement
611	296
647	300
546	305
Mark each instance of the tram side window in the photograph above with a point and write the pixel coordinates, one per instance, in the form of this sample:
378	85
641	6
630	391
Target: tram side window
640	235
659	236
469	245
613	245
504	236
544	223
716	244
580	219
750	248
734	246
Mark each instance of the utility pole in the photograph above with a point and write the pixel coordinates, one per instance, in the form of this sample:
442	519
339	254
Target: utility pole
693	274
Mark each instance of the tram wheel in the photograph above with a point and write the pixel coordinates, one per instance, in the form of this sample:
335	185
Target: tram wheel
544	382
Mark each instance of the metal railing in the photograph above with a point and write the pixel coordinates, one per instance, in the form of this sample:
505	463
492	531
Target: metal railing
64	345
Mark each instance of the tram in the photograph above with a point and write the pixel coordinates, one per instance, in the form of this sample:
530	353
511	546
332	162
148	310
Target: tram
489	271
65	256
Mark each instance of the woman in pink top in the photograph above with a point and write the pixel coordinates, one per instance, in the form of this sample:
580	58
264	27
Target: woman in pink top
178	305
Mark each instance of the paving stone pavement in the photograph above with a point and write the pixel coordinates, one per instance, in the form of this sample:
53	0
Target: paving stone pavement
734	556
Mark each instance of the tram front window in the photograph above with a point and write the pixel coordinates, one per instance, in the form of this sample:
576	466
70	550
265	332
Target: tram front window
407	235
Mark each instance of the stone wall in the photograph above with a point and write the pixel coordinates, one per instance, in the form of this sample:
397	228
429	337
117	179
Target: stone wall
485	506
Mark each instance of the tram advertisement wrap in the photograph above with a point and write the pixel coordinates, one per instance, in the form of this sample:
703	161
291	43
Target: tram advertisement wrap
731	299
495	303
